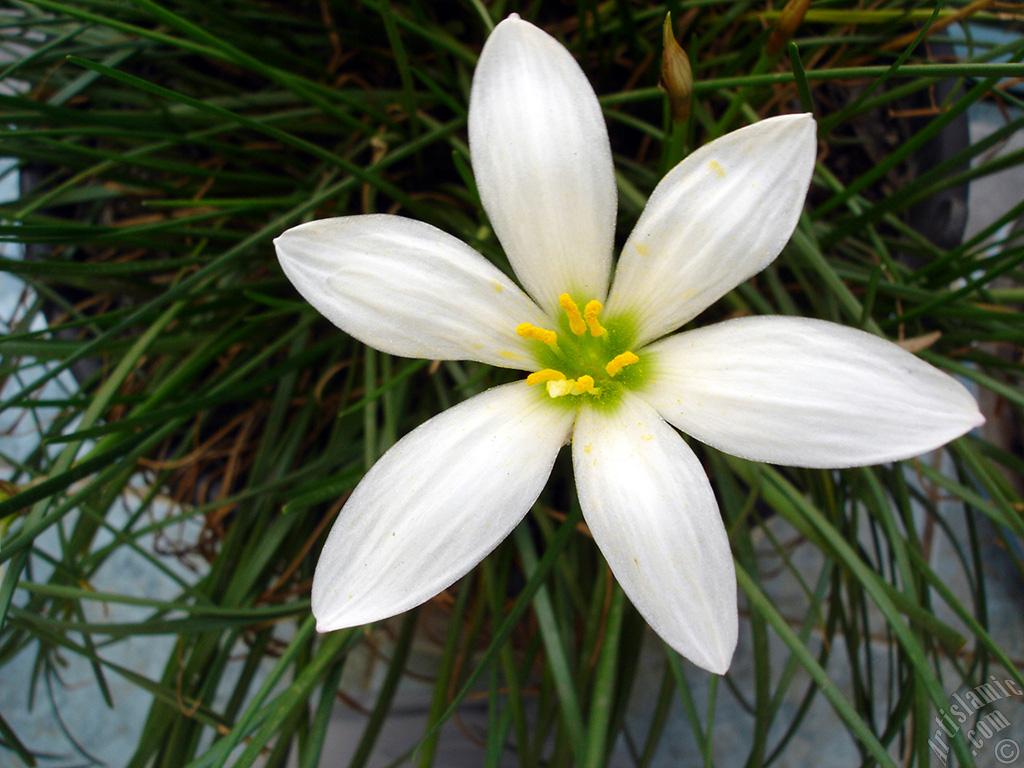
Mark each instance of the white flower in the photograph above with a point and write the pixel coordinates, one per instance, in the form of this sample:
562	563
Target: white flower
778	389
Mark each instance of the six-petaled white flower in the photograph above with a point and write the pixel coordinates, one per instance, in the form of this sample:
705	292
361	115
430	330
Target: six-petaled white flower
602	372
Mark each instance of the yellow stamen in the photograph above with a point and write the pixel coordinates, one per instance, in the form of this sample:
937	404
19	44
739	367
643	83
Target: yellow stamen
559	388
619	362
576	324
585	385
528	331
548	374
590	315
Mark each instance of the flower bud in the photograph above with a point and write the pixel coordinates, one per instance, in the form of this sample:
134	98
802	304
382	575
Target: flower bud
676	75
790	17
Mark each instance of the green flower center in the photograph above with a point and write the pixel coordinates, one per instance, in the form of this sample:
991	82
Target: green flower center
583	357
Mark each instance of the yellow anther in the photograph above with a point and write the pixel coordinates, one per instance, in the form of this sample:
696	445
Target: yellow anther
548	374
528	331
585	386
590	315
576	324
559	388
619	362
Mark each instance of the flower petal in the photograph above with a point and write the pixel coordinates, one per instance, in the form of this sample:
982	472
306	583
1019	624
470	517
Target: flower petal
543	163
435	504
721	215
804	392
407	288
651	510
